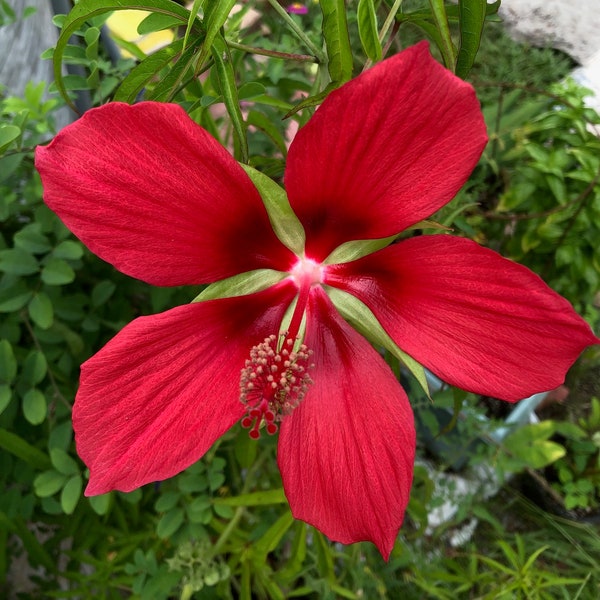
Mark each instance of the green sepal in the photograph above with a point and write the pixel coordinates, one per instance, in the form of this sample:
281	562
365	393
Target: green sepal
365	322
356	249
286	225
241	284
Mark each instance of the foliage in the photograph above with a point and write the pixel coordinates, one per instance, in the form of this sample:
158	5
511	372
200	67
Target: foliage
222	529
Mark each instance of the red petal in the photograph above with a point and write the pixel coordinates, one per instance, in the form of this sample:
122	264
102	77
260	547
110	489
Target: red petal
384	151
158	395
479	321
155	195
346	453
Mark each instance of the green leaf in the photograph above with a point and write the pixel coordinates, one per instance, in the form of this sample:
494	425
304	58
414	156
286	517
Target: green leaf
157	22
8	362
252	89
215	15
57	272
102	291
355	249
69	250
266	125
367	29
63	463
254	498
41	310
100	503
167	501
8	134
365	322
471	21
269	540
14	298
84	10
18	262
138	78
5	396
18	447
34	406
241	285
169	523
48	483
337	41
227	82
530	444
70	494
444	41
32	240
34	368
285	223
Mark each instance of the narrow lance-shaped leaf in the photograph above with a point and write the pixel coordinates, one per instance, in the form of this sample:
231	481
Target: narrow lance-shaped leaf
226	77
367	29
144	71
86	9
445	44
215	15
335	32
471	20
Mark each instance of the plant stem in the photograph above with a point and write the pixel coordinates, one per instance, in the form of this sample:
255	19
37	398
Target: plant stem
296	29
272	53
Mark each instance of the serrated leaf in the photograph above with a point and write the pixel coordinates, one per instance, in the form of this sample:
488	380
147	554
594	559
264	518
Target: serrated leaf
34	406
70	494
41	310
365	322
367	29
8	362
63	463
18	262
48	483
57	272
286	225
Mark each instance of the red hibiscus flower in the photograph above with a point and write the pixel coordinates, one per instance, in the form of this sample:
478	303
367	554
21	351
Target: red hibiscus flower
151	192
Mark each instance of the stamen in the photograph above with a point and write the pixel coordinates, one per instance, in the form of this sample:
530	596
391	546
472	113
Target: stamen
273	383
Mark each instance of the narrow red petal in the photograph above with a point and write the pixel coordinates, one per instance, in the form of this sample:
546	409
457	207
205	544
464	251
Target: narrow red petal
155	195
479	321
158	395
346	453
384	151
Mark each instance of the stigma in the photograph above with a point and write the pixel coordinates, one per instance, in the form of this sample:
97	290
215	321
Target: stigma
273	382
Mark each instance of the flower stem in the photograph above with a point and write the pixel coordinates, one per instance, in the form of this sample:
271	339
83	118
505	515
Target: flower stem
296	29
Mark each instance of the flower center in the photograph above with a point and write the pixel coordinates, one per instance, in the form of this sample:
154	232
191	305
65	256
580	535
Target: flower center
273	383
307	272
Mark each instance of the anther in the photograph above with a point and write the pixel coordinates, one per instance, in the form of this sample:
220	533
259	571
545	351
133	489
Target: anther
271	387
